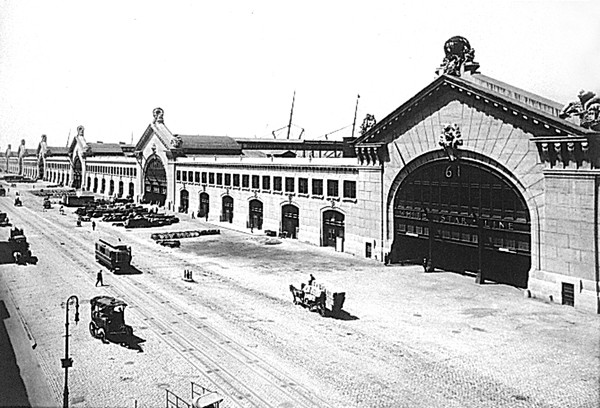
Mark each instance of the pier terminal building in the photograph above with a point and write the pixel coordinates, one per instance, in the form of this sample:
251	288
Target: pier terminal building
470	175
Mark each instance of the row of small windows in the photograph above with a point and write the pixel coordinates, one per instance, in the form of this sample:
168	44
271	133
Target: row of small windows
113	170
283	184
59	166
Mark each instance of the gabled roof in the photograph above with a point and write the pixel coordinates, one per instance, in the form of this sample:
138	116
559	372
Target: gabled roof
112	149
498	94
57	151
209	144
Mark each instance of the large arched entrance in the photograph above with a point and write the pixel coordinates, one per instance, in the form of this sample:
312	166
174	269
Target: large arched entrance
111	187
333	228
131	190
76	173
464	217
89	183
290	221
95	190
184	201
121	189
227	209
255	214
155	181
103	186
204	207
41	173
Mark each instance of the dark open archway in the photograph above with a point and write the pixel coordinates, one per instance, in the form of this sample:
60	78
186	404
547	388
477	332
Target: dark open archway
204	206
333	228
290	220
155	181
463	216
255	214
76	172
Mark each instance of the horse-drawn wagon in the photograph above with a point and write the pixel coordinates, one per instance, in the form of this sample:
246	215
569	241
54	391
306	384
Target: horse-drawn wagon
317	298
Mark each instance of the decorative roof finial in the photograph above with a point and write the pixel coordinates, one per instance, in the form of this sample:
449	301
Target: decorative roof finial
158	115
80	130
459	57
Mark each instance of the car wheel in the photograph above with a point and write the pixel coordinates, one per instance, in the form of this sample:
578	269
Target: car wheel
92	329
102	335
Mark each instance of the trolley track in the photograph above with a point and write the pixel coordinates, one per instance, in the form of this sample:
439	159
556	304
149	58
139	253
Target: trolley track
230	381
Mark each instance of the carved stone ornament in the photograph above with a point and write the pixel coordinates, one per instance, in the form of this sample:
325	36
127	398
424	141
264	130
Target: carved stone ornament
80	130
459	56
158	115
176	142
42	148
154	148
368	122
587	109
450	140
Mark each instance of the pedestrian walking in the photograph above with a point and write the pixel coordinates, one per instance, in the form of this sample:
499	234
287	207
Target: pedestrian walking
207	217
193	215
99	278
93	226
311	280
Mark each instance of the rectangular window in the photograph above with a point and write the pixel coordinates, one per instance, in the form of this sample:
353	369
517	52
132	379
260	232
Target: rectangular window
245	181
197	177
332	188
236	180
317	187
349	189
184	176
256	182
219	179
303	185
203	177
227	179
190	176
178	175
211	178
277	183
289	185
266	182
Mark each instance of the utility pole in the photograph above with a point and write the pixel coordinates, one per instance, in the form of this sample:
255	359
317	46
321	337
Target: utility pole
68	362
355	111
291	114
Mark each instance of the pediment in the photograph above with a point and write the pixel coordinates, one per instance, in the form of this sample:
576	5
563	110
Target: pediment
469	97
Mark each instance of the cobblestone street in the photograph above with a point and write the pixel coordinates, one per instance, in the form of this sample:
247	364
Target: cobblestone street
407	339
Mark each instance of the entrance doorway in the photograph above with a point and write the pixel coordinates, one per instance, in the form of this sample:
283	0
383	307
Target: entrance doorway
333	228
204	205
465	218
155	182
227	209
255	214
76	173
290	221
184	201
131	190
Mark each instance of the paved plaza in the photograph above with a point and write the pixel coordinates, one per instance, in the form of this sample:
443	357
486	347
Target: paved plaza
407	338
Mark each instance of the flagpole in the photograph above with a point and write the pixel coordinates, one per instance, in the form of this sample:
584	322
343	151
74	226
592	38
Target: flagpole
355	111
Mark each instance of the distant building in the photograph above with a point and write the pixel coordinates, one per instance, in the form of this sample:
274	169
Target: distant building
471	174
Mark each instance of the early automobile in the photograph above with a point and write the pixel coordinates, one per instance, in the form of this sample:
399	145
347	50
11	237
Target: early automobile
2	192
201	398
19	246
47	204
113	254
108	318
4	221
18	202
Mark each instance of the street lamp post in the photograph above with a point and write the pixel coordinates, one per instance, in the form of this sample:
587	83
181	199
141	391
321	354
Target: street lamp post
68	362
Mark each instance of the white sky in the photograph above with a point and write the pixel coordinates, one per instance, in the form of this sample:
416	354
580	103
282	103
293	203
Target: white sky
231	67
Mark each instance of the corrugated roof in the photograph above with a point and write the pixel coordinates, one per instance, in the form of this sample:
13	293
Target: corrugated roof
57	151
209	143
109	148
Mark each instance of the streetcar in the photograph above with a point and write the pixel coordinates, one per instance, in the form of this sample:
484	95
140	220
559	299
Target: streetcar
113	254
